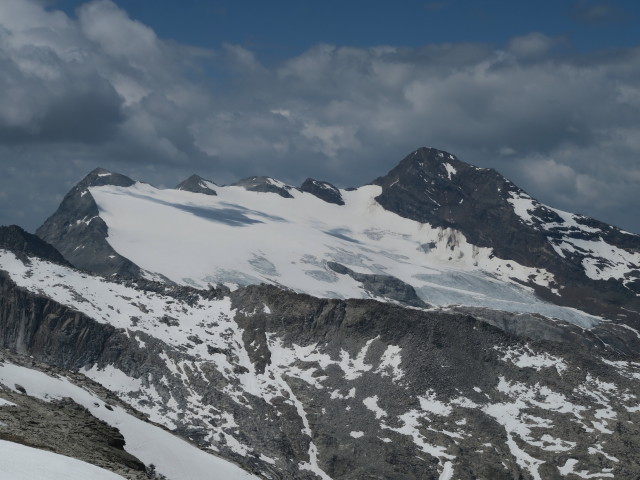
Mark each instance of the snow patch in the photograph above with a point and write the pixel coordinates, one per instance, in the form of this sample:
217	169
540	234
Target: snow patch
372	404
450	170
20	462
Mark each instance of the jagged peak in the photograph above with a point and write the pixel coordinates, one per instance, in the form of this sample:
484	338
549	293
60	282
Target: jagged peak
197	184
323	190
433	164
431	152
100	177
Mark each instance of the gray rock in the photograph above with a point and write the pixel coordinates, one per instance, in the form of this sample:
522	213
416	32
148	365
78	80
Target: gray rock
196	184
323	190
383	286
79	234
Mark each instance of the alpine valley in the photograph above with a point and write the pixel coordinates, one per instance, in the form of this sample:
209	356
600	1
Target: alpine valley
437	323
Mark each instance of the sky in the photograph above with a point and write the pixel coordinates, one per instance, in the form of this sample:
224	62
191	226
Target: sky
545	92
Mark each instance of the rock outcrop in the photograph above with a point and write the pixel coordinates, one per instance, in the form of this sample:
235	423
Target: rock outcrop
79	234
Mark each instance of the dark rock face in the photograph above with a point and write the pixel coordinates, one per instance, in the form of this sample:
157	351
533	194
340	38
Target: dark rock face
435	187
196	184
383	286
78	232
264	184
323	190
18	241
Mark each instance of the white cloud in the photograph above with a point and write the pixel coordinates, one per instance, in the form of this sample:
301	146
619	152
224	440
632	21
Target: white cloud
105	89
531	45
103	22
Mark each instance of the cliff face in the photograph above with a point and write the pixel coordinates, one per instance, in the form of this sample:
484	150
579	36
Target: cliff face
37	325
77	231
291	386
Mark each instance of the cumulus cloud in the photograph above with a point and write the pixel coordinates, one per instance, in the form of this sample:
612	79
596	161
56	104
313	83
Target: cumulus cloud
103	89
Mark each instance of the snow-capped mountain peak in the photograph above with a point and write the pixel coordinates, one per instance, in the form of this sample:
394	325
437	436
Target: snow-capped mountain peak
454	233
197	184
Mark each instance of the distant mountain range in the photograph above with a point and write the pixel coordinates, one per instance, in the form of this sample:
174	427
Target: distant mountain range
437	323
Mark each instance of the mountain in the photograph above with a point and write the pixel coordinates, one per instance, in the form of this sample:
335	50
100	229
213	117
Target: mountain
456	234
323	190
197	184
78	231
291	386
438	323
595	265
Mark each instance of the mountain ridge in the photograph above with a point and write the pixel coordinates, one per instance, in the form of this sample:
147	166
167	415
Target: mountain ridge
343	339
429	186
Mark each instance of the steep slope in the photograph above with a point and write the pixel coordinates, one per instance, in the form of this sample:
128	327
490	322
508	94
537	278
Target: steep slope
596	266
78	232
292	386
165	453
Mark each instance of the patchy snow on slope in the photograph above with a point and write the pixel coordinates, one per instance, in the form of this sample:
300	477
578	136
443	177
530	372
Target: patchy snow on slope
569	468
450	169
430	404
525	357
172	456
523	206
569	236
411	423
372	404
19	462
390	363
605	261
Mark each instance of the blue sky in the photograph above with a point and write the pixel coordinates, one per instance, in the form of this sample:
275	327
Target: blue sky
548	93
282	28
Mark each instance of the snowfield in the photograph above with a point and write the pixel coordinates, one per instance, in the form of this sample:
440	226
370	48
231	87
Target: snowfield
18	462
241	237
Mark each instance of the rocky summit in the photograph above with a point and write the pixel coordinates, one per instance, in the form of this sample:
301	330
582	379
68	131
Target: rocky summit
437	323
